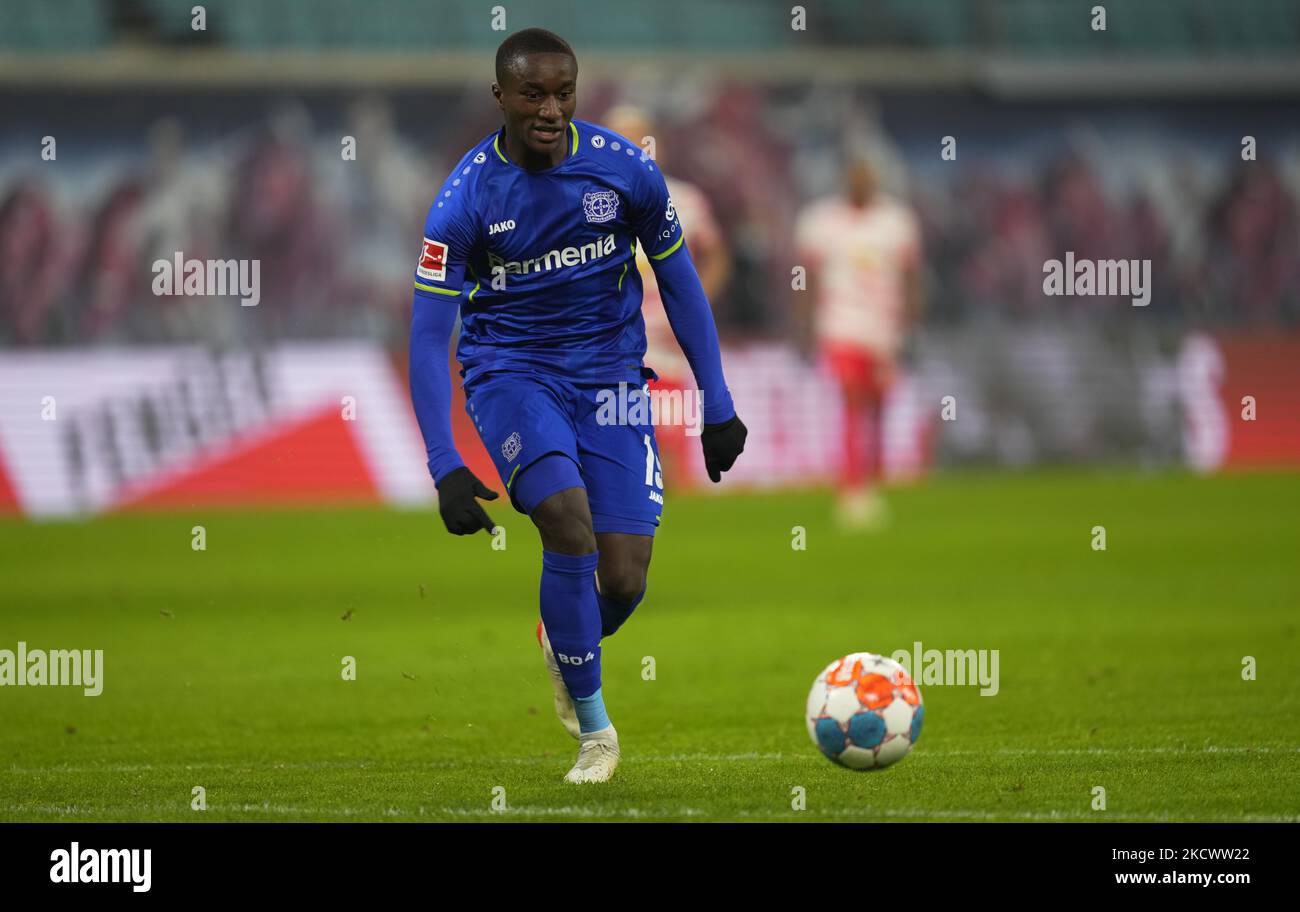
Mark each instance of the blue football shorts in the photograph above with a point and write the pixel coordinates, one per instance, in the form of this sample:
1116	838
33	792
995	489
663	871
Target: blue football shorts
522	418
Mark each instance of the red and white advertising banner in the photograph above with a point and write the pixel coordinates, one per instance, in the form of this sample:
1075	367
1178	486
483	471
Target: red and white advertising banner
1241	397
88	431
85	431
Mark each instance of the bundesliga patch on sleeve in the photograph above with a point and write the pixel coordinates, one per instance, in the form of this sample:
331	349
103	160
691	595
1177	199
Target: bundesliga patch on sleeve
433	261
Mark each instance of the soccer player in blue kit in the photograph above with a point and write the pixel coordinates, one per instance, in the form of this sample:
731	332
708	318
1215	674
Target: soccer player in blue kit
532	239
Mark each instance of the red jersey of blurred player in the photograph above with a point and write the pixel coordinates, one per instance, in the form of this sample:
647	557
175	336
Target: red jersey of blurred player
863	257
712	260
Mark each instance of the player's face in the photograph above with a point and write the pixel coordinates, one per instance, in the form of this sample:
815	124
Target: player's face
538	98
861	182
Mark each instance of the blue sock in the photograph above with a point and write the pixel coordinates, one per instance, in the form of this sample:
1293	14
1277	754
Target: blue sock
612	613
591	712
572	619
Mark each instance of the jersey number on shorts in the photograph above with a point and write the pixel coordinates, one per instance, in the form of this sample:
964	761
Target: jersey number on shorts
654	477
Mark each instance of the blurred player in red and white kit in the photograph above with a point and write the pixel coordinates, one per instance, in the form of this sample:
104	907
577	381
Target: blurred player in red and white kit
863	254
712	260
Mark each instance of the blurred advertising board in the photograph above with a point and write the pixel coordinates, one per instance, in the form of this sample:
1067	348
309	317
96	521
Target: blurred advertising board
93	430
86	431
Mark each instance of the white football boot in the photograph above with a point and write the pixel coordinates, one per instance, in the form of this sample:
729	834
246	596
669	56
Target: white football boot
563	702
597	757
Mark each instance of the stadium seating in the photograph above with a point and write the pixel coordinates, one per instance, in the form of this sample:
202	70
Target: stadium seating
1028	27
66	25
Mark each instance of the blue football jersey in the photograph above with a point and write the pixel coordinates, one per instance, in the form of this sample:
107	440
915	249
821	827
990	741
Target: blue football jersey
542	263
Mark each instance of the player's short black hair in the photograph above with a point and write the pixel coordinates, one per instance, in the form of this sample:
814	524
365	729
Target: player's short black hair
530	41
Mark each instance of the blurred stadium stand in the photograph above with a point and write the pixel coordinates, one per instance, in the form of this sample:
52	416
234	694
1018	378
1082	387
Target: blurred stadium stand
1125	143
189	133
1045	27
243	173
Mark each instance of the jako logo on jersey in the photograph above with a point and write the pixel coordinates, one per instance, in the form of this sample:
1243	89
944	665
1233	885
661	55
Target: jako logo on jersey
498	227
600	205
671	212
510	449
433	260
554	259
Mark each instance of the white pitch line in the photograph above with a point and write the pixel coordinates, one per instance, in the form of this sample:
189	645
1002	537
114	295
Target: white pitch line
332	811
64	811
418	766
533	811
1086	751
956	814
863	814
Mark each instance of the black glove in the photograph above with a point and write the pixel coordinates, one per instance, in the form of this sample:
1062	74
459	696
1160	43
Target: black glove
722	444
460	511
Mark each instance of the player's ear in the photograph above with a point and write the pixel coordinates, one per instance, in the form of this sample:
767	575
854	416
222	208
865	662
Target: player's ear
496	93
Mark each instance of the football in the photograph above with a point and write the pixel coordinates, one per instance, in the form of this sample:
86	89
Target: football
864	711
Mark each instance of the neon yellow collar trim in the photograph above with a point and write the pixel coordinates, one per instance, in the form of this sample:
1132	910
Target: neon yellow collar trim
573	149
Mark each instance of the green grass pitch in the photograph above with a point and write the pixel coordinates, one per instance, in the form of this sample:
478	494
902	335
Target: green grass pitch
1119	668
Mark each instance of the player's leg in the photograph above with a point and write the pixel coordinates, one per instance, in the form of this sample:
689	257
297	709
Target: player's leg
552	491
563	518
569	632
873	410
625	489
871	511
858	505
854	469
621	576
879	379
564	524
847	370
526	424
570	617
